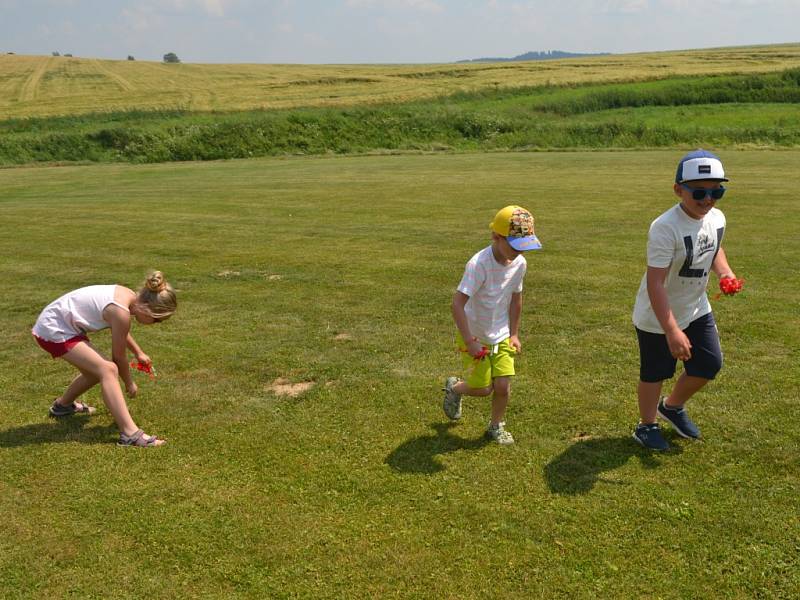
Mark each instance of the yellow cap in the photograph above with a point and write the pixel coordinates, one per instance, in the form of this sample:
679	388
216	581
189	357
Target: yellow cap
516	225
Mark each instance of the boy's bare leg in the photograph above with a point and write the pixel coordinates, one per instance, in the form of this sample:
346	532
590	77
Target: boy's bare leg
685	388
462	388
502	391
649	394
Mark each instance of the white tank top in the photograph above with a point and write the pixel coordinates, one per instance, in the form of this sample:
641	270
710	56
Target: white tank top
75	313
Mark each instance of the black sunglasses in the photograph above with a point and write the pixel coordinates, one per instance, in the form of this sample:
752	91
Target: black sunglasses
702	193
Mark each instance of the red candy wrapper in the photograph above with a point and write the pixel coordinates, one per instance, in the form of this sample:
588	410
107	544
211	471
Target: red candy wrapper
144	368
482	354
730	286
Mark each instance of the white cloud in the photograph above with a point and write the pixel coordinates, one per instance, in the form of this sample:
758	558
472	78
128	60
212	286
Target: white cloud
430	6
214	8
141	18
625	6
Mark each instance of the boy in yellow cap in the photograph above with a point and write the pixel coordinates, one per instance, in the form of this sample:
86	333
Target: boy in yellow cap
487	307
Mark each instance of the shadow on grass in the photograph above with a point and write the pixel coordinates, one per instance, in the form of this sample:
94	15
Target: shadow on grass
576	470
418	455
68	429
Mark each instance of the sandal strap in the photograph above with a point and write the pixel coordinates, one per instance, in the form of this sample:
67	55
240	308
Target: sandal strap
131	440
139	439
67	409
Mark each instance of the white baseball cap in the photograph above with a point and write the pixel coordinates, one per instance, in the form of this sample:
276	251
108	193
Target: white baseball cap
700	164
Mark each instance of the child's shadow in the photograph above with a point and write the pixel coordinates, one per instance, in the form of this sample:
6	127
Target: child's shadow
578	468
68	429
418	455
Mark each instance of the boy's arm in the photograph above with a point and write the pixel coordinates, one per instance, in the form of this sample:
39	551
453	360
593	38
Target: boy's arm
514	316
721	267
460	317
679	344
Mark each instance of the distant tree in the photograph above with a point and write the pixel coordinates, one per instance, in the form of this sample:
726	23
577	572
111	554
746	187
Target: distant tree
130	57
70	55
171	57
56	54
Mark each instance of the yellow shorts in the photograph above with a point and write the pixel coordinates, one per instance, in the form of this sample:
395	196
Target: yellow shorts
479	373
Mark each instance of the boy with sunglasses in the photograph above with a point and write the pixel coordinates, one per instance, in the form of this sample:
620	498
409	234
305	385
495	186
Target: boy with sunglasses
672	315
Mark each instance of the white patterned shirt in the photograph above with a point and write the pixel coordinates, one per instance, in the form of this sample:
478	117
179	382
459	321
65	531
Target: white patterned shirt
489	286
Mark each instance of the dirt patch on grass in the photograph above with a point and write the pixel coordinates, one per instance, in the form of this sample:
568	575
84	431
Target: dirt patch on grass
283	387
343	336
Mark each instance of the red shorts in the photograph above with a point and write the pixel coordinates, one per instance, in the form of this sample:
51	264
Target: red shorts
57	349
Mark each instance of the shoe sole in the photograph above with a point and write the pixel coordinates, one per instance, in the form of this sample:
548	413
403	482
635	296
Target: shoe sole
676	428
56	415
456	417
457	414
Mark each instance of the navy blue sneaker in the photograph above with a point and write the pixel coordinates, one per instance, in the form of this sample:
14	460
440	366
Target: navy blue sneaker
649	436
679	420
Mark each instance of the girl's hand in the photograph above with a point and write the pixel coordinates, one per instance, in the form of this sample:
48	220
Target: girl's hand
679	345
131	389
143	358
514	342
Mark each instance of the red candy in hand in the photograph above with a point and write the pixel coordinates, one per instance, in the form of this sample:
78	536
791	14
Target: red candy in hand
482	354
730	285
144	368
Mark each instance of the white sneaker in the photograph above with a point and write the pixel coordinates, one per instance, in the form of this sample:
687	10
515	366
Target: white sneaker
452	400
499	434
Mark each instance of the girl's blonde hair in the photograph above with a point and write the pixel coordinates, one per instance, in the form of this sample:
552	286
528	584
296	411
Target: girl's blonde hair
157	298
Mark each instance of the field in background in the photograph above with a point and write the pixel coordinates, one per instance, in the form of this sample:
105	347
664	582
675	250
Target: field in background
756	110
37	86
339	271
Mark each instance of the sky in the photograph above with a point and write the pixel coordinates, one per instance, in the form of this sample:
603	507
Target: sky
384	31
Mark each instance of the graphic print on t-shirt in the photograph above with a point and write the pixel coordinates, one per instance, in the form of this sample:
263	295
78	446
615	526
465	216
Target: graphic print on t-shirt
705	244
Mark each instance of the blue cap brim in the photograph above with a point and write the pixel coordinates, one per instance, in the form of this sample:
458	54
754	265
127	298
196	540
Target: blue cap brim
521	244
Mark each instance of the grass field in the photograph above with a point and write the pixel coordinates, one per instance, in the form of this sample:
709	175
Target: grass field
48	86
339	272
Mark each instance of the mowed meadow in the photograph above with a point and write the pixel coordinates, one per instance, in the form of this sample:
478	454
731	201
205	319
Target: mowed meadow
337	273
299	382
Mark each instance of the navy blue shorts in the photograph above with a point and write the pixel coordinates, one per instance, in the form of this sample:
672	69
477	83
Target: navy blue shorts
657	364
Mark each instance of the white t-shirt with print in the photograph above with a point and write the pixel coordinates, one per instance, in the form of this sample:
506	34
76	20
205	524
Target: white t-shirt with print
688	247
489	286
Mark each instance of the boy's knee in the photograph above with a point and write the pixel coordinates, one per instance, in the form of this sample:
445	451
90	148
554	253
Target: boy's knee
502	386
